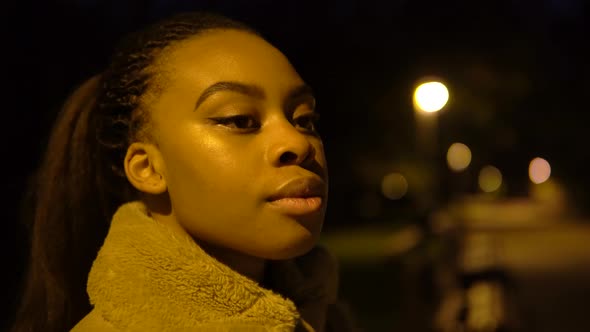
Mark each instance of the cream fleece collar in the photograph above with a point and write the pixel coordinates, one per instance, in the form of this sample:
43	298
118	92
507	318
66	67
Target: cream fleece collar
146	276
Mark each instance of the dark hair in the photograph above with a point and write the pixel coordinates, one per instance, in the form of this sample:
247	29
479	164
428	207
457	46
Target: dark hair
80	182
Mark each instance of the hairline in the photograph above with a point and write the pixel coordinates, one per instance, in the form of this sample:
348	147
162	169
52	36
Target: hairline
159	72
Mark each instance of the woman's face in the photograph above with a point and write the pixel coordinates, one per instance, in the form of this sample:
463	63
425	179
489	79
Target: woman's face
244	167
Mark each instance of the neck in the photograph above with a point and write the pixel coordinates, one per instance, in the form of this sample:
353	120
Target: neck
246	265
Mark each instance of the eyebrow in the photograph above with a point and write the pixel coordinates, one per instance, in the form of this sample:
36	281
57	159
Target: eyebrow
251	90
300	92
245	89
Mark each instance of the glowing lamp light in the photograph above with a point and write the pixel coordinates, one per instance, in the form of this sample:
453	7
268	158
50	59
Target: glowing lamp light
458	157
431	96
539	170
394	186
490	179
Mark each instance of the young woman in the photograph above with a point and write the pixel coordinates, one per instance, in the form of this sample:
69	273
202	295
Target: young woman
184	189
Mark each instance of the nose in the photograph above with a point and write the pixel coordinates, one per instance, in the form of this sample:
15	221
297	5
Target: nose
290	147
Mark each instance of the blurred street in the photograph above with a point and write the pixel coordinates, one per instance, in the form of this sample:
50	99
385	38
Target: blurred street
489	265
551	271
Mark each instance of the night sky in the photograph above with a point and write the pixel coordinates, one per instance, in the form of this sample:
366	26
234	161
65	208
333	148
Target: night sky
517	72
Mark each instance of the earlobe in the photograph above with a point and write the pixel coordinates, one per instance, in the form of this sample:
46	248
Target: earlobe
143	168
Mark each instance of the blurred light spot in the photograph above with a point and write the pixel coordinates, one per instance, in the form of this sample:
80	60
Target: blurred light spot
490	179
402	240
458	157
394	186
431	97
539	170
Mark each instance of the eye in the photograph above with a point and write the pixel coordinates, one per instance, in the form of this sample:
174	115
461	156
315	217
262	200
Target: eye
244	123
307	122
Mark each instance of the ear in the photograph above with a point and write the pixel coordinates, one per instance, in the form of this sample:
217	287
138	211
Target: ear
144	168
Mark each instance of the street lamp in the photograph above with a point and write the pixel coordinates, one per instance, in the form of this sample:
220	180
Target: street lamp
428	99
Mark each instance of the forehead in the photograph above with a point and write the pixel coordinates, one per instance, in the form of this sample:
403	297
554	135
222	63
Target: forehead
227	55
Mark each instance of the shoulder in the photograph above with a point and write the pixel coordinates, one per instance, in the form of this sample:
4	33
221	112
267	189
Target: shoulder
94	322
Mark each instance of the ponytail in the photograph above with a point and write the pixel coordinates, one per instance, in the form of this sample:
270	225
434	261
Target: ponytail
72	197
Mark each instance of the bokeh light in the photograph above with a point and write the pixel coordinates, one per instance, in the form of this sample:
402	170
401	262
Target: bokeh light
458	157
539	170
394	186
431	96
490	179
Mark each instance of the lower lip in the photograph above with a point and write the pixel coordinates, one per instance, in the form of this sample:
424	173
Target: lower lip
297	206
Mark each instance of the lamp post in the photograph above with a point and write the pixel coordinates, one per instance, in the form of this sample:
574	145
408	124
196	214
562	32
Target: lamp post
429	98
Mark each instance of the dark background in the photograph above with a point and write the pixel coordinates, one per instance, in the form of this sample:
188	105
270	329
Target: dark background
517	72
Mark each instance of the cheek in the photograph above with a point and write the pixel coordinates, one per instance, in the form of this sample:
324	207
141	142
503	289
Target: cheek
207	171
202	162
204	178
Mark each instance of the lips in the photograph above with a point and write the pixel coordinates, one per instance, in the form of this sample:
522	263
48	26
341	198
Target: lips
300	188
299	196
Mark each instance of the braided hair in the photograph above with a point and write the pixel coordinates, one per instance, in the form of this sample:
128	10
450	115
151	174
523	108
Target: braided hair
81	182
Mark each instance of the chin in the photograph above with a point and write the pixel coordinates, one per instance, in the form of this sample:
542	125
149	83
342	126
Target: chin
285	238
291	248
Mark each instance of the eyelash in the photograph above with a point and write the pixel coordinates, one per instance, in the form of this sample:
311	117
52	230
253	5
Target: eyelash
246	123
237	122
311	126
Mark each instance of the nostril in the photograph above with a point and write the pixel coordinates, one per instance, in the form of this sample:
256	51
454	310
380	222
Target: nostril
288	157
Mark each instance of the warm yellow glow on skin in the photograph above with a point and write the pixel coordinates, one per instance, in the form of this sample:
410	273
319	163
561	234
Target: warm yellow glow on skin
431	97
232	140
490	179
458	157
394	186
539	170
